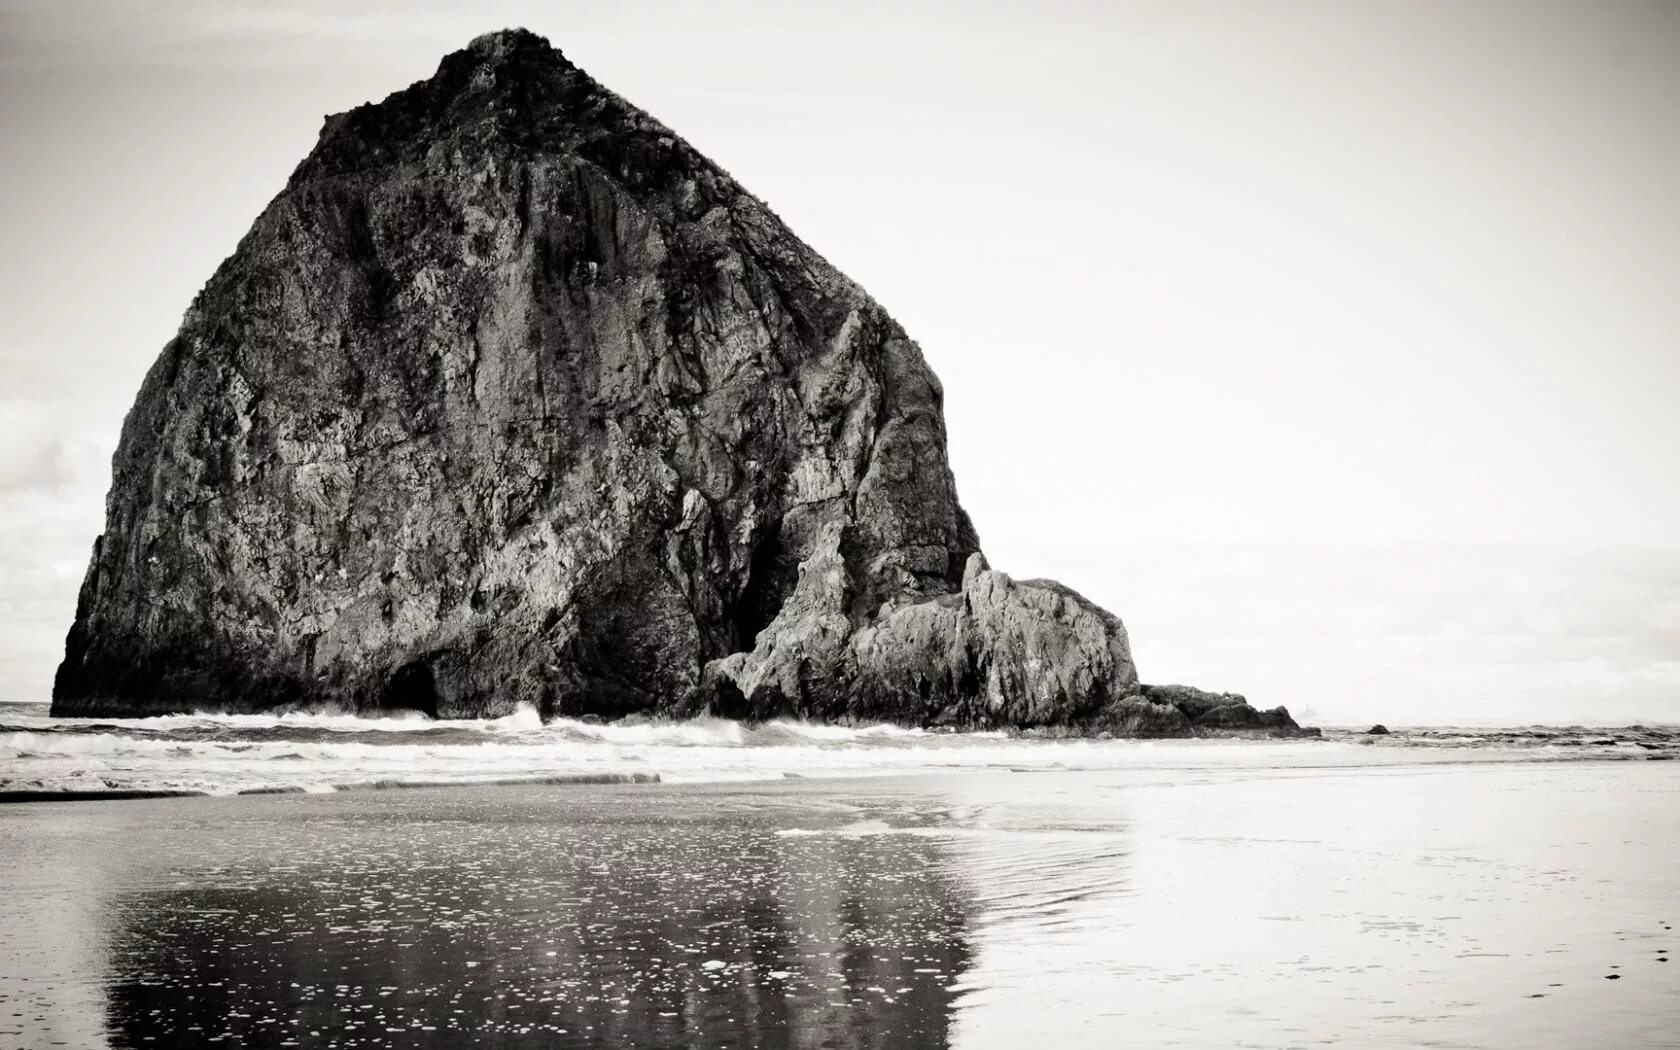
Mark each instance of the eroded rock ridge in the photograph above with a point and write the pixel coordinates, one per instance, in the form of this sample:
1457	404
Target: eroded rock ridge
510	396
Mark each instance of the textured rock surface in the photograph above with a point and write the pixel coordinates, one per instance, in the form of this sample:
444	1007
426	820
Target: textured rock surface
511	396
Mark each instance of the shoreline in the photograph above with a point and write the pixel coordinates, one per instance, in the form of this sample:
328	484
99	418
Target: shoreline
21	797
27	797
46	759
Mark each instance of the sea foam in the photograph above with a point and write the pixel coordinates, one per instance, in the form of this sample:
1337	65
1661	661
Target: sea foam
233	754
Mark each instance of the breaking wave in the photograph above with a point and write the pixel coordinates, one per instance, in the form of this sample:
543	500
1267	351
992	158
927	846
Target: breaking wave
42	757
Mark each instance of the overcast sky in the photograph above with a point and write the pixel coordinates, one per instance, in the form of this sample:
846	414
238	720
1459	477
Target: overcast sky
1334	346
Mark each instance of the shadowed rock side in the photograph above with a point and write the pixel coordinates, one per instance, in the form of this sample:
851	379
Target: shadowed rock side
511	396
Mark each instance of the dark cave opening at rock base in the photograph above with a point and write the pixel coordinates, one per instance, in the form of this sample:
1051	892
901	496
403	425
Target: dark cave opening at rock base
411	688
771	574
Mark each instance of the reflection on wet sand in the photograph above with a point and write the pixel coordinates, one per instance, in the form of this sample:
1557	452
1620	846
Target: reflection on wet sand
1476	907
1050	876
498	918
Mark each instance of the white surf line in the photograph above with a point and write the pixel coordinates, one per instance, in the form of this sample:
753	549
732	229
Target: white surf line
386	784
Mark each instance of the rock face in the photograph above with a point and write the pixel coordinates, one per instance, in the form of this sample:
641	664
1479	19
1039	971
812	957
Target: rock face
510	396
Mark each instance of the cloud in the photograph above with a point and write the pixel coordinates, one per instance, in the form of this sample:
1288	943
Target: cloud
53	477
35	35
43	455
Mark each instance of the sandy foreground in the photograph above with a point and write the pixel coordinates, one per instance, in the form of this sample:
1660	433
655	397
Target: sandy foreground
1473	905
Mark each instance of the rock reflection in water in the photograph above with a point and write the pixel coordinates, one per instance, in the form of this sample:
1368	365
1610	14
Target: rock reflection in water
498	919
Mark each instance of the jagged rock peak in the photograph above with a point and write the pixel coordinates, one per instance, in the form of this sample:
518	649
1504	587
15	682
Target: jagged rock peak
511	396
500	43
506	91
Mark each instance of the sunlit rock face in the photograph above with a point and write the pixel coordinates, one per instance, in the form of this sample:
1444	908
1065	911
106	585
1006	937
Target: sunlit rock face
510	396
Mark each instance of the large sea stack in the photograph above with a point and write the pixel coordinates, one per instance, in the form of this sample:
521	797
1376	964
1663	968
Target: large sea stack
510	396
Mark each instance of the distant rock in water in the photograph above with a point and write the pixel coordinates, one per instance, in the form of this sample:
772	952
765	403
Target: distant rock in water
510	396
1377	730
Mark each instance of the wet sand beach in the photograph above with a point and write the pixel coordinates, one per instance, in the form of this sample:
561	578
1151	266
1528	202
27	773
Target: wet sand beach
1473	905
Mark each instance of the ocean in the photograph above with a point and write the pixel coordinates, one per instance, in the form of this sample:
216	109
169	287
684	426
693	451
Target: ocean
42	757
810	886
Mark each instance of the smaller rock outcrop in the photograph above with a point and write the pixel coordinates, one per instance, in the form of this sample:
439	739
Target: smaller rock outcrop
1212	714
1377	730
998	653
